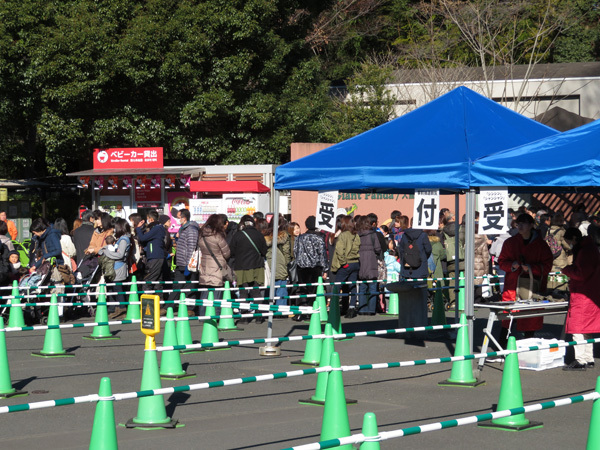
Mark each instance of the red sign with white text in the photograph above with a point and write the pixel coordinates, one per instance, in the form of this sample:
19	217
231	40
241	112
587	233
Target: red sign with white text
128	158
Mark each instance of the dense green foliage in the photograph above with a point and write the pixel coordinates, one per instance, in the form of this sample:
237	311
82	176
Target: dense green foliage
236	81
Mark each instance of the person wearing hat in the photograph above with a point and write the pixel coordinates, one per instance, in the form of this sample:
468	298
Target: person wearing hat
527	260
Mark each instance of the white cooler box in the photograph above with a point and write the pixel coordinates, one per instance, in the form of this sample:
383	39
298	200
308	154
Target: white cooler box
540	359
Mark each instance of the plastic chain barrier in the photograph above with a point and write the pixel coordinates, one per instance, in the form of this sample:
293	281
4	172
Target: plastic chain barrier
384	435
307	337
241	288
274	376
249	288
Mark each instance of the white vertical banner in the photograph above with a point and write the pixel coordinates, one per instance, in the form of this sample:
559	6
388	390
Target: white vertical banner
326	207
426	212
493	210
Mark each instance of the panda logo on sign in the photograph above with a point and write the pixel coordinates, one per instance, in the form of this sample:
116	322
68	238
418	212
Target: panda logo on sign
102	156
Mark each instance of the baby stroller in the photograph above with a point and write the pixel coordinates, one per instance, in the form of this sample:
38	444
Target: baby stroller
87	273
32	284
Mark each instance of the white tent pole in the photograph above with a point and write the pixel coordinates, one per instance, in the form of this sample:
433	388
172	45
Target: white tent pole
470	261
269	349
456	253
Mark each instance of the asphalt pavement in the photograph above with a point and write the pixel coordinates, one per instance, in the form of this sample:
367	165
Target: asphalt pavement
266	414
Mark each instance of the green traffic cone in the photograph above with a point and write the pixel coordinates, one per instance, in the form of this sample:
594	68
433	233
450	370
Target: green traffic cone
101	332
438	317
210	333
227	324
182	327
133	309
461	291
6	388
322	377
393	307
593	441
151	410
334	311
53	346
369	430
322	301
511	395
312	352
462	371
170	360
335	414
104	432
15	316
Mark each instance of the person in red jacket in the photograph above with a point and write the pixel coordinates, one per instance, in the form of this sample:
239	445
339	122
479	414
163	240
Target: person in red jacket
524	256
583	317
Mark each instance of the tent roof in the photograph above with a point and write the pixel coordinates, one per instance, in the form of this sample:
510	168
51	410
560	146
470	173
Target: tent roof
568	160
562	120
430	147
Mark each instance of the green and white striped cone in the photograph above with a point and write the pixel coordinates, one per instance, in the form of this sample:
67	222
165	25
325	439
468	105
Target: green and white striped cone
104	431
593	441
170	360
183	328
323	377
322	301
227	324
312	352
133	309
152	412
438	316
511	395
101	332
15	315
53	346
210	332
335	413
461	291
462	371
369	430
393	308
6	388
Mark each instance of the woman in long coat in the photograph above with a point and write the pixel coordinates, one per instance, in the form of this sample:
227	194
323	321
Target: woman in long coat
211	238
583	317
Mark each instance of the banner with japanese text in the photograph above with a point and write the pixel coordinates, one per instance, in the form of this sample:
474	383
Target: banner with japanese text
326	207
493	210
426	213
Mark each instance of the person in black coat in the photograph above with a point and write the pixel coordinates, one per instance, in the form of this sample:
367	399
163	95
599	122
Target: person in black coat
83	235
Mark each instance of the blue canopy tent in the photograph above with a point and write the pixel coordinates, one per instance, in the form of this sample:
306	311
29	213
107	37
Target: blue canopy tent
568	161
431	147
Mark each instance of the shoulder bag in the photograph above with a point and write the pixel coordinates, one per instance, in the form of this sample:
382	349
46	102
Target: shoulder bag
267	279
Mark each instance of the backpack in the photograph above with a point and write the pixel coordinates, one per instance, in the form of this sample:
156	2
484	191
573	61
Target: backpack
555	247
449	244
411	254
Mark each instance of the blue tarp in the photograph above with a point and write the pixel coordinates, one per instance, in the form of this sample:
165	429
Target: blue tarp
431	147
570	159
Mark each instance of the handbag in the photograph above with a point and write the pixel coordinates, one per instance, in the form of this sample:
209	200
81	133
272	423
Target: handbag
226	272
194	263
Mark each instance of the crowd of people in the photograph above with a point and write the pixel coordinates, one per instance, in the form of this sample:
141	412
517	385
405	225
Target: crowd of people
360	253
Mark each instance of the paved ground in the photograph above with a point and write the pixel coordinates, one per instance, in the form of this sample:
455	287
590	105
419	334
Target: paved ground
267	415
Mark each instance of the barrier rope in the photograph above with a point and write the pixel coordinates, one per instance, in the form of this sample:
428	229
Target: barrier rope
271	376
452	423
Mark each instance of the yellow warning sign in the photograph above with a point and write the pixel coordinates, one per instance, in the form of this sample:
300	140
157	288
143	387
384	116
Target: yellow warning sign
150	312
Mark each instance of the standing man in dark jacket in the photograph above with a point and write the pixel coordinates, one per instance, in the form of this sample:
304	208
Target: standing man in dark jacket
187	240
82	236
152	237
